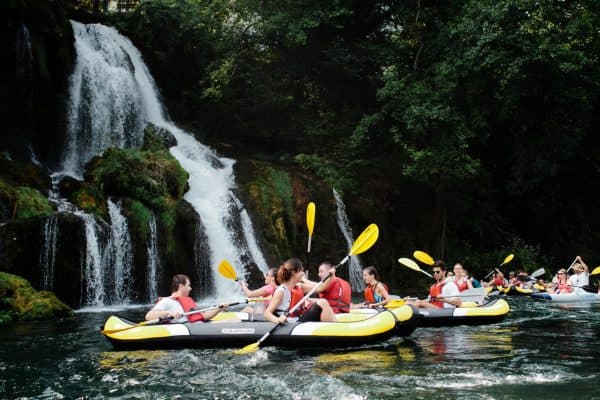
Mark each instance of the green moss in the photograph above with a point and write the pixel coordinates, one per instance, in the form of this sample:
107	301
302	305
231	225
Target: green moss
151	177
19	301
271	191
140	217
29	202
90	200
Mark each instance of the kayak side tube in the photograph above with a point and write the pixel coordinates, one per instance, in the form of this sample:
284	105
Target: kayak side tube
490	313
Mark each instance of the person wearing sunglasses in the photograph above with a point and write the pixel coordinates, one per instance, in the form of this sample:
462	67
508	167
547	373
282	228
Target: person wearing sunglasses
264	291
441	292
561	285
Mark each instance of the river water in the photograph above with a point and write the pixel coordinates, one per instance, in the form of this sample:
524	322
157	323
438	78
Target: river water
541	349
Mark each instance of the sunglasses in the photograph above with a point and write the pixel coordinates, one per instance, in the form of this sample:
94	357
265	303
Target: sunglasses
560	273
437	271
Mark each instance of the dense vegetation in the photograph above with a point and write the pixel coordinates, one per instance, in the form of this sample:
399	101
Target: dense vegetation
464	128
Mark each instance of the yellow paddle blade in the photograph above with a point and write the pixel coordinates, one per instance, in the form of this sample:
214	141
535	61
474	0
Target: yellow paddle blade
407	262
395	303
365	240
251	348
423	257
310	217
596	271
227	270
508	259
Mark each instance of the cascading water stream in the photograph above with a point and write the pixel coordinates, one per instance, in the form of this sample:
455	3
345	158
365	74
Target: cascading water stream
121	254
48	254
112	97
355	267
154	266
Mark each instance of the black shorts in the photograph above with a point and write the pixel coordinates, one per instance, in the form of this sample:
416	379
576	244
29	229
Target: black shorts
312	314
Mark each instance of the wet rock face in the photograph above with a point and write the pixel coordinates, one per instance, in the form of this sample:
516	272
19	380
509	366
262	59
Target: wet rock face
155	135
21	247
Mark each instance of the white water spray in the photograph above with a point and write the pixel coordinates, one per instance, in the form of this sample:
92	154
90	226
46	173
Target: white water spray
355	267
121	254
48	254
154	267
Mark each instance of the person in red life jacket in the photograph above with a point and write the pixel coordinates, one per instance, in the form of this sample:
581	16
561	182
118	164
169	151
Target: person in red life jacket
376	292
289	293
561	285
497	280
441	292
461	280
335	290
180	302
265	291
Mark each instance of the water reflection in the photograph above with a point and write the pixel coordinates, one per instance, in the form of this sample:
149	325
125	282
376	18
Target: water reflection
464	343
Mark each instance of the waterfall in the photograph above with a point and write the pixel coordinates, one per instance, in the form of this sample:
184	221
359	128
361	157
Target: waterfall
93	271
154	267
121	254
354	265
112	96
48	254
105	108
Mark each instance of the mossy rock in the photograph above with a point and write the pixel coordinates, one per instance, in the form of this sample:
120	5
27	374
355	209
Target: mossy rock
19	301
22	202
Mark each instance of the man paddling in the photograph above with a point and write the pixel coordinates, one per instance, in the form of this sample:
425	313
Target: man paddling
180	302
441	292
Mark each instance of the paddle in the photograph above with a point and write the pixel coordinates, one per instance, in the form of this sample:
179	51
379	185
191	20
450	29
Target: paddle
160	320
362	244
571	266
310	224
475	295
506	261
227	270
423	257
407	262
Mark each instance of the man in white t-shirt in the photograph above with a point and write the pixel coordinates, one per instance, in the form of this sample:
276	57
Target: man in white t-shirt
441	292
172	308
581	277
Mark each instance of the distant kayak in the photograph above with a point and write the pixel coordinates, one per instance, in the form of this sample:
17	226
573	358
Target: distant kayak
489	313
578	296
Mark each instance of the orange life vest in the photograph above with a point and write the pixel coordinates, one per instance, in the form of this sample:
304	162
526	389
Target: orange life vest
370	292
434	291
338	295
188	305
563	288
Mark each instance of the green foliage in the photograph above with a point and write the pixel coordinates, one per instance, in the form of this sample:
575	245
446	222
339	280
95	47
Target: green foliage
141	217
152	177
24	202
18	300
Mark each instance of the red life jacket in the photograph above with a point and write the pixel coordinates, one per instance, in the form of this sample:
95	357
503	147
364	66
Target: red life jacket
462	286
434	291
499	282
297	295
338	295
563	288
370	292
188	305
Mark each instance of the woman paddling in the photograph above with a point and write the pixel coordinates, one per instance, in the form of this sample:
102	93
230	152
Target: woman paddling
288	294
376	292
560	286
266	291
